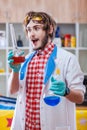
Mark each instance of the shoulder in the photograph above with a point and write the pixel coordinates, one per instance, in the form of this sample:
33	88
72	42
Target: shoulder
65	52
67	57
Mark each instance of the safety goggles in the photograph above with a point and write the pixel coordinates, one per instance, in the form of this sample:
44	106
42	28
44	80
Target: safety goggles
36	18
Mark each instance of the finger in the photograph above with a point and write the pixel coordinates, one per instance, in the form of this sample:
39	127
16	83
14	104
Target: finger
10	52
61	93
10	61
54	87
57	83
57	88
52	79
21	53
10	55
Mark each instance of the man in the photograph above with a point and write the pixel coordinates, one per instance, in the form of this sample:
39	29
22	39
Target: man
39	73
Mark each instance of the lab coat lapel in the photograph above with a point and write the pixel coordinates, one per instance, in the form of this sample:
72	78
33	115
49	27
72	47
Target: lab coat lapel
50	66
23	68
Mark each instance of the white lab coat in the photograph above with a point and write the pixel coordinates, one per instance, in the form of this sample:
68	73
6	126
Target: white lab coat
64	113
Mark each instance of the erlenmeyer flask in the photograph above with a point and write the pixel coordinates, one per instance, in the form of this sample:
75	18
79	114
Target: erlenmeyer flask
52	99
18	59
49	97
18	54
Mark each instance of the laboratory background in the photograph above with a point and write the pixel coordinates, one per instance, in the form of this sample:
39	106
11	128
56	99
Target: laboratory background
71	35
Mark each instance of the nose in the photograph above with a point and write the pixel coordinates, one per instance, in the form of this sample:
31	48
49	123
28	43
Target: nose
32	32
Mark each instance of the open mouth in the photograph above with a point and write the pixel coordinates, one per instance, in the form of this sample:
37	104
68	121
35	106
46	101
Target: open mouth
35	41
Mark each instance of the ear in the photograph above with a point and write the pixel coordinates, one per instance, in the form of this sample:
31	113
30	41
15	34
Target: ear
51	29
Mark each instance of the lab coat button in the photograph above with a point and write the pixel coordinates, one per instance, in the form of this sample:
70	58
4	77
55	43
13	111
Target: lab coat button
21	87
41	107
20	102
43	125
22	119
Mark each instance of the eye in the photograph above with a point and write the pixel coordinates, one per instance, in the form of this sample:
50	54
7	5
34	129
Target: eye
29	29
37	28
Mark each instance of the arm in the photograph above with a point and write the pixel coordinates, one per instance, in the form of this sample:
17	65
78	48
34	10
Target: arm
74	80
13	83
73	88
59	88
76	96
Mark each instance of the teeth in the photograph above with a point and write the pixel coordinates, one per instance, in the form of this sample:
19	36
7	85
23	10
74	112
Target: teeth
35	40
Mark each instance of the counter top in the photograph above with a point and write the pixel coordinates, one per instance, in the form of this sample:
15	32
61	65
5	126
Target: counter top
81	107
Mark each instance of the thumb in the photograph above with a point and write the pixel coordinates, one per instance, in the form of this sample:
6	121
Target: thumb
21	53
52	79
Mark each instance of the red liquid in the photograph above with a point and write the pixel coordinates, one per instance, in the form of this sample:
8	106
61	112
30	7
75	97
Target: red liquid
18	60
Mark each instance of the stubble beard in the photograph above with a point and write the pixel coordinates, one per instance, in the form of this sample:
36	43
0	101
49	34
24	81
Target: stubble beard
44	43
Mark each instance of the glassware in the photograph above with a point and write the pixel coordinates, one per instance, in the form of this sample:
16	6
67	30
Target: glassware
49	97
18	57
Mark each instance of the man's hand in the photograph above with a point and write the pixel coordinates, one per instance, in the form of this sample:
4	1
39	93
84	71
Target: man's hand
14	67
58	87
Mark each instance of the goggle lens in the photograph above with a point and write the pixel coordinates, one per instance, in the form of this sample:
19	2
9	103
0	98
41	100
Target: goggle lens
37	18
34	18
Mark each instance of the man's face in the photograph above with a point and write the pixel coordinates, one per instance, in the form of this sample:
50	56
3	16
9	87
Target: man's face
37	35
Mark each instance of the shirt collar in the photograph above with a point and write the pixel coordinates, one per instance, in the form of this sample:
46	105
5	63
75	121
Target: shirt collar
47	50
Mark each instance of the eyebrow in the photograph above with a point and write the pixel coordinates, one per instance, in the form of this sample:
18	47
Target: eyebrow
36	26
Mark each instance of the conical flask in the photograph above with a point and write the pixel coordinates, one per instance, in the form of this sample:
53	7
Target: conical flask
18	54
49	97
